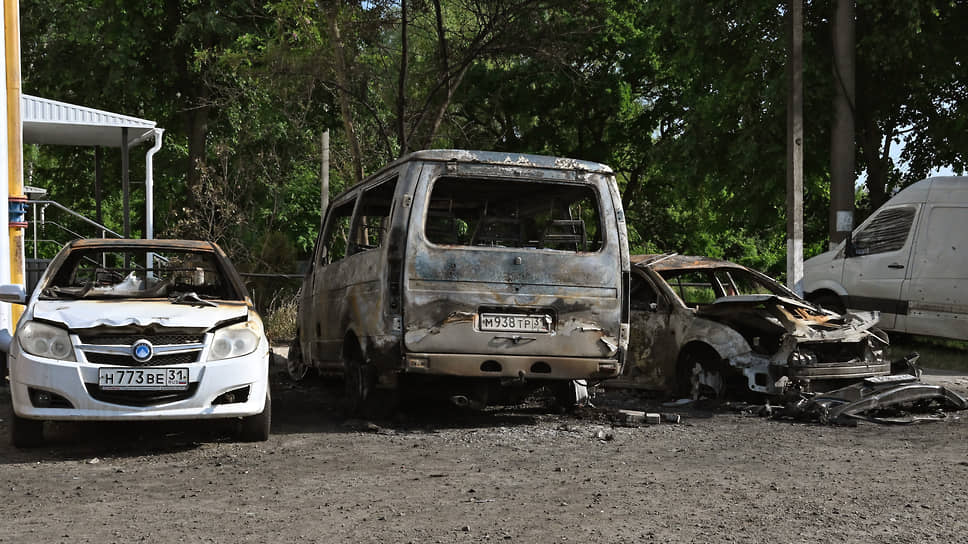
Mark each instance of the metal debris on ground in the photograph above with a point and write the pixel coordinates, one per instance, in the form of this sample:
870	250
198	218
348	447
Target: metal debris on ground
895	399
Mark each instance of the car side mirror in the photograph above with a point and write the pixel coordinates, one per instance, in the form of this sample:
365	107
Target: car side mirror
13	293
849	249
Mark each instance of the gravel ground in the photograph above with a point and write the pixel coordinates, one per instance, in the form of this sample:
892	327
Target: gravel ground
519	475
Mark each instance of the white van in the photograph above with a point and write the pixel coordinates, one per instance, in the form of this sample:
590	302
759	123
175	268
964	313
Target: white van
908	260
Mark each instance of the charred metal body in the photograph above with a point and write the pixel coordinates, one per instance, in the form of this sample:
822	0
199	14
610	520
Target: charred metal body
700	326
449	263
888	399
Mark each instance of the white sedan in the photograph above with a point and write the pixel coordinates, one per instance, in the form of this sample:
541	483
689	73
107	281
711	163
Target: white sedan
138	330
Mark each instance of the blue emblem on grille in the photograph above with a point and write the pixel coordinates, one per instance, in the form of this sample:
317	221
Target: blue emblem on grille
142	351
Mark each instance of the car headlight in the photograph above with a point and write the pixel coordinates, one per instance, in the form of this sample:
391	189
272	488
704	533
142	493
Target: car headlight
45	340
233	341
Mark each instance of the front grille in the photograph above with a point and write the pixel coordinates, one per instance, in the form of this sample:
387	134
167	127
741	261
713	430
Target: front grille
140	398
835	352
155	339
158	360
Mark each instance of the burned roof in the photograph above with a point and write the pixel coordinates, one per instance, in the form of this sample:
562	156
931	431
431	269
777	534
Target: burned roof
119	243
496	158
673	261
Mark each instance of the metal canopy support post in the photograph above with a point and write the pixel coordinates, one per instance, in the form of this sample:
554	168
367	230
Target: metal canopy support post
98	181
150	184
125	183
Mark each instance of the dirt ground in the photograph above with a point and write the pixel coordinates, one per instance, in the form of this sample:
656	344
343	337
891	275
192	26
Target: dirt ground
518	475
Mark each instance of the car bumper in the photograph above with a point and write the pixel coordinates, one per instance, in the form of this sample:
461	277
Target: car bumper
511	366
77	383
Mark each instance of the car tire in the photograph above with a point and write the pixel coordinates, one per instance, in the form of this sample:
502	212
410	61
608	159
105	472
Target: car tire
570	394
296	365
829	302
256	428
358	385
26	433
696	364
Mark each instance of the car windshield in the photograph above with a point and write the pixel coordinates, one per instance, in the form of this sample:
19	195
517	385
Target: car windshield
703	286
140	273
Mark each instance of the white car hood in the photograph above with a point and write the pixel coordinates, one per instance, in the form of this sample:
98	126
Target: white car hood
86	314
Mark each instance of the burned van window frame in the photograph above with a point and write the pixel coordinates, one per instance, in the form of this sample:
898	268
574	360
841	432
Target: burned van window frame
887	231
698	282
369	231
333	249
537	219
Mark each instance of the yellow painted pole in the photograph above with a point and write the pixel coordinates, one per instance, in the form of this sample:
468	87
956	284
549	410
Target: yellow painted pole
15	155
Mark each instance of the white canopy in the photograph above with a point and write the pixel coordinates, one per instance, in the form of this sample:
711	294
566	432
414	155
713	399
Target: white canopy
48	121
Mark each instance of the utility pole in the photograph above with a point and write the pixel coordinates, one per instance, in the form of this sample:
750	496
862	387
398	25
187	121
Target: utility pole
324	178
842	144
795	151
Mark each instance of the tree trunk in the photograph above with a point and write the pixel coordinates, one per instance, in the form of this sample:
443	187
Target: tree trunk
197	135
842	146
342	80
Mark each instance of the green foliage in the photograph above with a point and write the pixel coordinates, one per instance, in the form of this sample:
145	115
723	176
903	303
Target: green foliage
685	100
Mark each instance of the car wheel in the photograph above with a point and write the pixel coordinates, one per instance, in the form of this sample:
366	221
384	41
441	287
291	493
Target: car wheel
256	428
701	375
296	365
571	393
829	302
26	433
357	385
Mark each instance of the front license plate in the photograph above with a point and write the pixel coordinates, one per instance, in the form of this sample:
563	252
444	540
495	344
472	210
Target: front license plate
142	379
515	323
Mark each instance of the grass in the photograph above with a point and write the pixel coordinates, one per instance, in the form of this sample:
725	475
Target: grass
280	318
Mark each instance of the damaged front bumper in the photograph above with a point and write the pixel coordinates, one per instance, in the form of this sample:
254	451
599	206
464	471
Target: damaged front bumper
801	364
887	399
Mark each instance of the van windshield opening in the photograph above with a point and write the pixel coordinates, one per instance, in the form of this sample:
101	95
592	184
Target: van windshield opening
514	213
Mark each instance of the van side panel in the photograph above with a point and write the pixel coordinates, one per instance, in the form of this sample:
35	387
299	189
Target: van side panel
452	291
937	289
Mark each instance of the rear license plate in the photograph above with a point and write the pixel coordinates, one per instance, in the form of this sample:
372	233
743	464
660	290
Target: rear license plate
515	323
142	379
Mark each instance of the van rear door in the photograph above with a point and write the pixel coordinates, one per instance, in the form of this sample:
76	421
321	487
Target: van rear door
515	261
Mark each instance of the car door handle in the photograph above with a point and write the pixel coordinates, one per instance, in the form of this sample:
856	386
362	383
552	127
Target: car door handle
895	265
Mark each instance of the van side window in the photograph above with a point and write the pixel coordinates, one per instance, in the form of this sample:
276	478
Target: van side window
373	216
888	231
513	213
337	233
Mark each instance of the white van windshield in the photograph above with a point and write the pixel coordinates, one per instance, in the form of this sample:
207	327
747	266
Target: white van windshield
514	213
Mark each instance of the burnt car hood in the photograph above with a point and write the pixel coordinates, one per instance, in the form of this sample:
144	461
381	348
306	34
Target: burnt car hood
87	314
784	314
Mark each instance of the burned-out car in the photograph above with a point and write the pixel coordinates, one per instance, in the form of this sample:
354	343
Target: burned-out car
474	273
126	330
702	326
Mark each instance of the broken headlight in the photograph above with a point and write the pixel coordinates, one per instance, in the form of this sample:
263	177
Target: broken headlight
45	340
803	358
233	341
